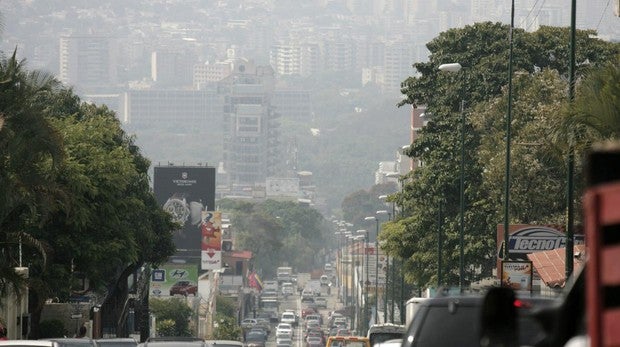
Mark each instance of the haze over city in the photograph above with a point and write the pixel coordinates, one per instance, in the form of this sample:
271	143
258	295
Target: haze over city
328	72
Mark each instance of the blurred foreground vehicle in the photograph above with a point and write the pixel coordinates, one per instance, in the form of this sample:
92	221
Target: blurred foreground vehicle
452	321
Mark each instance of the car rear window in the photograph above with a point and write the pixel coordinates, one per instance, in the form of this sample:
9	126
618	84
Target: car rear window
460	323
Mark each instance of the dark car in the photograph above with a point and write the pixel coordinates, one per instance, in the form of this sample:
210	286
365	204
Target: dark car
184	288
255	339
454	321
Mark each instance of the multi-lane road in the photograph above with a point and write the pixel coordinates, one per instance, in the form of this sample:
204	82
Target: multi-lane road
293	302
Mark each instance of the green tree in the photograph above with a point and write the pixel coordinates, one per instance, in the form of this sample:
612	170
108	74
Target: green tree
175	312
537	192
226	306
227	328
363	203
30	156
596	110
278	232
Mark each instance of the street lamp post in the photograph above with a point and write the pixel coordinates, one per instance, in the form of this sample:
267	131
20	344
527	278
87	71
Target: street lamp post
339	263
353	275
365	282
456	67
387	271
376	263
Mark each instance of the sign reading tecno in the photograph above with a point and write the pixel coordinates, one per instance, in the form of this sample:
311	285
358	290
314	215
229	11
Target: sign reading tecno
536	238
525	239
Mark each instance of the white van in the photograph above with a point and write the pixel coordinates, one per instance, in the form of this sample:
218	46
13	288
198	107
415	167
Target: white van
324	280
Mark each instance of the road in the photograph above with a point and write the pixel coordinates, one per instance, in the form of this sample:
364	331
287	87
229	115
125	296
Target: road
293	302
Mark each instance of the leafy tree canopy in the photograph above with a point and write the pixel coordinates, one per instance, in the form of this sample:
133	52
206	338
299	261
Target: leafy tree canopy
278	233
430	195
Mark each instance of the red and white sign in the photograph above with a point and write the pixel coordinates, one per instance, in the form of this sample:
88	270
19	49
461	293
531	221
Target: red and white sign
211	230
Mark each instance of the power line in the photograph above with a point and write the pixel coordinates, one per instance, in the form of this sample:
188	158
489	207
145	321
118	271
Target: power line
531	9
537	14
602	15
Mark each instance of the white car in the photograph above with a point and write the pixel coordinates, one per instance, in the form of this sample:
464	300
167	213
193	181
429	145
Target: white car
285	328
289	317
284	341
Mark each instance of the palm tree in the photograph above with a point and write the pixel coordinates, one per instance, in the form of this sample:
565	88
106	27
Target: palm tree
29	147
597	105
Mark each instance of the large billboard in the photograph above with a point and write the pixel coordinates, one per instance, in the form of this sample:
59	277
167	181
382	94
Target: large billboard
174	279
186	192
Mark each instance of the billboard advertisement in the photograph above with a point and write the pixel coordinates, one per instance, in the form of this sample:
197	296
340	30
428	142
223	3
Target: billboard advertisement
186	192
174	279
517	275
211	249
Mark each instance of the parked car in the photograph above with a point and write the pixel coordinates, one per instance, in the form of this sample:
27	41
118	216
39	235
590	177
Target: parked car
324	280
184	288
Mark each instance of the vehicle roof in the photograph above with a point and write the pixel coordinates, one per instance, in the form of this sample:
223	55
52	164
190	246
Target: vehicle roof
36	343
175	341
386	327
73	341
224	342
347	338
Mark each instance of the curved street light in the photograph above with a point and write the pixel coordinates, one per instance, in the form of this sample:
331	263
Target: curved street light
365	282
453	68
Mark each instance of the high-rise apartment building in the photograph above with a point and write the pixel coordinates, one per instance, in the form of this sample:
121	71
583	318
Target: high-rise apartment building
399	57
88	61
285	59
251	136
211	73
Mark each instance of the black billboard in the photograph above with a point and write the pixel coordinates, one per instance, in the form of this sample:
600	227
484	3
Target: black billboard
185	192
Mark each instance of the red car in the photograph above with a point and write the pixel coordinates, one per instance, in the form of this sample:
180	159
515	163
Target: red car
306	311
184	288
